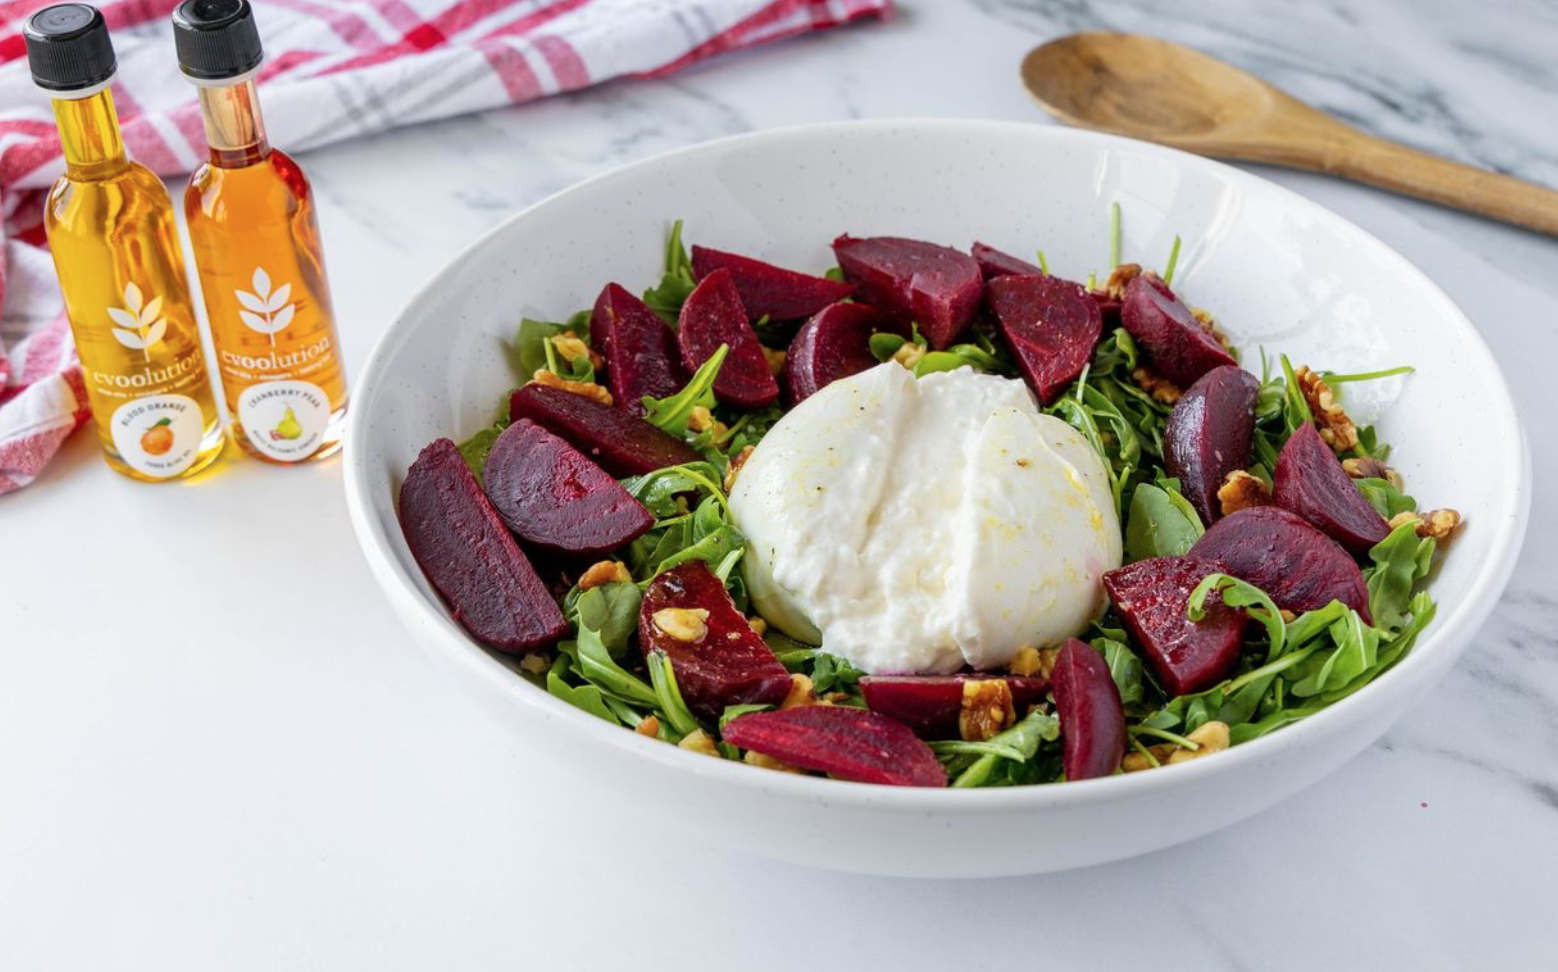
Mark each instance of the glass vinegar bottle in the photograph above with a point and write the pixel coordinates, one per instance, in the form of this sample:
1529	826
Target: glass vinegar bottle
250	214
113	236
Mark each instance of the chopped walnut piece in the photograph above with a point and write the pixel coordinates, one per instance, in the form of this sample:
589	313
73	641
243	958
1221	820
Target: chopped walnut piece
774	358
1026	662
1119	277
572	348
1438	524
604	572
648	726
736	462
700	418
1288	617
833	697
758	625
1135	761
698	741
986	709
909	355
1335	427
683	624
1240	491
768	762
1160	388
1367	467
801	692
588	389
1213	737
1209	325
535	663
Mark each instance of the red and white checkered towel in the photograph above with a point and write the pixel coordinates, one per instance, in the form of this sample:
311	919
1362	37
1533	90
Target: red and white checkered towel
335	69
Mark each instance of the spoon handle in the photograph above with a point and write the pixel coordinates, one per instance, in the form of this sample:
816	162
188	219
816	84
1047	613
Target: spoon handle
1408	171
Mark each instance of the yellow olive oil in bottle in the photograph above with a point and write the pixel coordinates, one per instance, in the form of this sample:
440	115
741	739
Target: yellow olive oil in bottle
114	237
251	221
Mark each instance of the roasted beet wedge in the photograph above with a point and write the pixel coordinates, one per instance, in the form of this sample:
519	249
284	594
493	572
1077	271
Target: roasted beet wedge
1153	597
713	316
931	704
1177	346
1280	553
1309	480
834	344
842	741
1210	434
1108	307
1092	721
934	286
729	664
995	263
767	290
623	444
638	348
466	552
1050	324
554	497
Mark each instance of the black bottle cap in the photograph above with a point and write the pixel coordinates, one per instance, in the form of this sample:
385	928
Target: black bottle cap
216	39
68	47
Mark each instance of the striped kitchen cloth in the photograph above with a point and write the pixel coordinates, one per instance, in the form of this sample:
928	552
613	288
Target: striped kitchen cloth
335	69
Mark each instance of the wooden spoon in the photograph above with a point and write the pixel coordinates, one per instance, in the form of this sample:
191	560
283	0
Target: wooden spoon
1162	92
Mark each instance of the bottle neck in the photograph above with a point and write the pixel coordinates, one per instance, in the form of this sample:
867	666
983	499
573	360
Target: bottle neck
89	134
235	129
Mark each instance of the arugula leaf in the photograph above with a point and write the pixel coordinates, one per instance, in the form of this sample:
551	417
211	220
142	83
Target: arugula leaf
611	610
1356	651
662	676
533	345
586	697
1170	485
934	361
737	711
671	414
830	673
667	298
475	449
1295	409
1158	527
712	550
1126	669
1400	561
1386	499
597	667
1239	594
1173	262
1021	740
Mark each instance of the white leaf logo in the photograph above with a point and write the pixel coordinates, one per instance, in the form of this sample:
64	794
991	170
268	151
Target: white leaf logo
140	324
263	310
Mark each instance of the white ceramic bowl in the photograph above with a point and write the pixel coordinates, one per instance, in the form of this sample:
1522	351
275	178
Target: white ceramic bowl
1278	271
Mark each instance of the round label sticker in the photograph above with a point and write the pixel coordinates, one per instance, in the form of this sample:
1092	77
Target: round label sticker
284	420
158	435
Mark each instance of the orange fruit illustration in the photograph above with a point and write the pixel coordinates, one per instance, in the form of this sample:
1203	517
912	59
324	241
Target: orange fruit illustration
158	438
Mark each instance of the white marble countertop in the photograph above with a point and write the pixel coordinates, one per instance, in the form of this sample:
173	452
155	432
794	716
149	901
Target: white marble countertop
219	751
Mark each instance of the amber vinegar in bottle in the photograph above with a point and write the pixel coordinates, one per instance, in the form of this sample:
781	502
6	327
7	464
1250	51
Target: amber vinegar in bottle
252	226
114	239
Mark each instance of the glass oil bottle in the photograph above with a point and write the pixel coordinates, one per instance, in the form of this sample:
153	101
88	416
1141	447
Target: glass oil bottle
114	238
250	214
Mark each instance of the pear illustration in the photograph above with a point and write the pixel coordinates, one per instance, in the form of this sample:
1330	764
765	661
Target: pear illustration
288	428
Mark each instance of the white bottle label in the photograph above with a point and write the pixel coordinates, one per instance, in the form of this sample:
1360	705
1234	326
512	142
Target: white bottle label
158	435
284	420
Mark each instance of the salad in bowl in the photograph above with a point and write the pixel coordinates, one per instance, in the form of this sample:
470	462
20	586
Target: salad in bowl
934	517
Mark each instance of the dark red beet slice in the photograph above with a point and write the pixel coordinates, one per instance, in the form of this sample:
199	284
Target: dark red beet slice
996	263
1153	597
912	281
834	344
1108	307
638	348
1310	481
471	558
767	290
713	316
1092	721
1209	434
930	704
1280	553
1177	346
730	664
623	444
1050	324
842	741
553	496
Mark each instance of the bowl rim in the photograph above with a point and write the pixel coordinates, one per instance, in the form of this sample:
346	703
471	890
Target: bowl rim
1451	632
